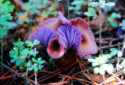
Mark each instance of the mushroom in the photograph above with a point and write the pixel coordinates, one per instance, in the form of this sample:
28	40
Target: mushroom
65	38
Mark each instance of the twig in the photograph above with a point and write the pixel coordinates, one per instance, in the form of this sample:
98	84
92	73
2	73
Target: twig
18	74
103	30
107	46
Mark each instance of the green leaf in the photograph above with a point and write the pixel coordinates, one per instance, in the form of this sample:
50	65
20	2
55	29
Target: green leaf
3	32
121	24
71	8
96	70
113	49
41	62
36	42
86	13
92	11
76	2
33	53
34	60
39	59
25	64
123	28
124	70
109	68
1	1
93	4
20	66
35	69
29	63
19	44
102	71
29	43
17	63
110	4
123	63
24	52
7	3
12	60
95	64
102	4
113	53
21	60
50	59
119	54
40	67
28	20
59	0
31	68
11	6
118	16
91	60
114	24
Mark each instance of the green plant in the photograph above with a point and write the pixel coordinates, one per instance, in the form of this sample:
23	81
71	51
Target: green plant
5	17
51	11
115	51
119	53
101	4
122	66
5	22
101	64
112	18
20	53
122	24
34	7
35	64
77	5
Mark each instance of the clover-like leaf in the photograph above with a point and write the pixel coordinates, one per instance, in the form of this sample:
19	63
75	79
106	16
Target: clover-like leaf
34	60
13	60
91	12
33	53
93	4
7	3
29	43
123	64
36	42
110	4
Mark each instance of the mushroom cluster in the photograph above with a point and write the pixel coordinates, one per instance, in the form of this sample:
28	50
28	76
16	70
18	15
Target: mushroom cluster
61	36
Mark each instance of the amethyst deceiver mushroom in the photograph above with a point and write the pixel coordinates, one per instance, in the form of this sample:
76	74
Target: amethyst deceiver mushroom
61	36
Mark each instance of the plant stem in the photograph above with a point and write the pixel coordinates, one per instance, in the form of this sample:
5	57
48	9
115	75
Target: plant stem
35	78
104	79
15	75
28	56
88	9
100	30
68	8
119	57
26	75
2	55
55	5
1	47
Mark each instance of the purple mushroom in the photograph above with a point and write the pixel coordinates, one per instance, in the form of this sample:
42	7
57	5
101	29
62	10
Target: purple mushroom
60	35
